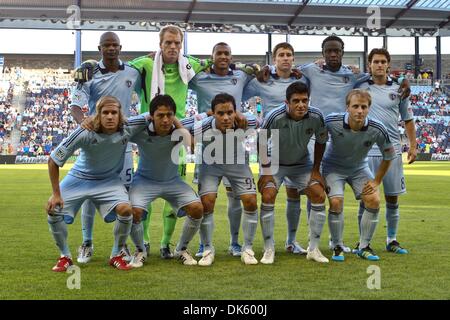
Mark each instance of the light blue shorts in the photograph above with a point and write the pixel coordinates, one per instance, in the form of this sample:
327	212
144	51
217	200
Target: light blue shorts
295	177
177	192
394	180
105	194
336	182
239	175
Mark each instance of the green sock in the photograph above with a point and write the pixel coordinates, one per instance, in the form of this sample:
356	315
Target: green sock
146	224
169	221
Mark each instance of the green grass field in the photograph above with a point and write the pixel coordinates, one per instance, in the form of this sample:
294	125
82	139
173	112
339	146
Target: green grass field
28	251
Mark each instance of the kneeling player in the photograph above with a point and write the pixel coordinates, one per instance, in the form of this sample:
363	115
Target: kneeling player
95	177
296	124
352	136
224	161
157	177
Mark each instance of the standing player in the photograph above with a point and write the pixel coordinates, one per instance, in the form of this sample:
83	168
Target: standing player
225	157
296	124
114	78
386	107
272	93
157	177
207	85
94	176
352	136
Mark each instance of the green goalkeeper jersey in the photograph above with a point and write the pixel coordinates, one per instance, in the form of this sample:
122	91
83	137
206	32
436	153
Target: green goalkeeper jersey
174	86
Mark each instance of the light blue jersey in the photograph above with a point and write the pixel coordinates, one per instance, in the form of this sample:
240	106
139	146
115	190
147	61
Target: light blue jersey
348	149
208	85
272	92
294	136
386	107
329	89
216	148
155	153
102	155
120	84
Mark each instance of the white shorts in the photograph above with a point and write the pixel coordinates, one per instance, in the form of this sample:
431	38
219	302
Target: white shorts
177	192
394	180
239	175
126	175
336	182
105	194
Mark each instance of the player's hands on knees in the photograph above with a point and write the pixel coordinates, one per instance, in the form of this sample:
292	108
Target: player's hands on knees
85	71
412	155
264	74
316	177
240	120
370	187
53	202
88	123
263	181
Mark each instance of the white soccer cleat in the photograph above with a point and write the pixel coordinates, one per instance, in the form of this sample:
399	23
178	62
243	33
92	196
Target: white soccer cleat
344	248
125	253
138	259
185	257
268	257
316	255
207	259
248	257
295	248
85	253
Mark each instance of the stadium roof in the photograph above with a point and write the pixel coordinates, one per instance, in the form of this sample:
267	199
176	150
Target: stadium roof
344	17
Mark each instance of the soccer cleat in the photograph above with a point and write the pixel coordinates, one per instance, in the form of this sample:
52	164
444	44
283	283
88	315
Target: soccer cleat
138	260
126	254
185	257
316	255
368	253
344	248
165	253
268	257
119	262
207	259
200	251
63	263
248	257
295	248
338	254
394	247
147	248
235	249
85	253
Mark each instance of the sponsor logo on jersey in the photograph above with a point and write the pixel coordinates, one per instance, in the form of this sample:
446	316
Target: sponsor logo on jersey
129	83
234	81
188	66
392	96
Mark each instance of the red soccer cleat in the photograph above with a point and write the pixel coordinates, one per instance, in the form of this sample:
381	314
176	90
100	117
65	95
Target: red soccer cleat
62	264
119	263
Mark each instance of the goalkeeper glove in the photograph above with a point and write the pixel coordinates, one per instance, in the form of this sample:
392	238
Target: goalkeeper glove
85	71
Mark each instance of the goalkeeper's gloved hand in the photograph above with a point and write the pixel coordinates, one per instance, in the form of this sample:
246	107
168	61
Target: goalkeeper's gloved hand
85	71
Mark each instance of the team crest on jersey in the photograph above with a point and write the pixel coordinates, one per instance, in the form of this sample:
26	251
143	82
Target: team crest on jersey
234	81
309	131
124	141
392	96
367	144
188	66
94	141
346	79
129	83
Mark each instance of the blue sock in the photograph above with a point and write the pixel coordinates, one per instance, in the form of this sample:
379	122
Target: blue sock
87	221
137	236
58	228
122	229
293	212
190	228
267	224
369	222
249	225
392	219
335	224
207	230
360	214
